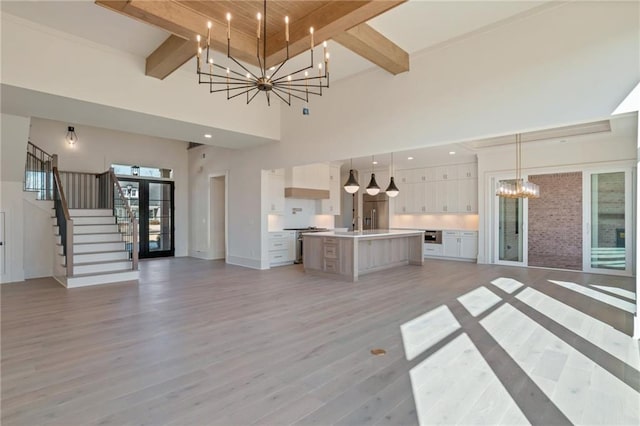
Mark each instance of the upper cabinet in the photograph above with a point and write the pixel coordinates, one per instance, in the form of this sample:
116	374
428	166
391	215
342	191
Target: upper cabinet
332	204
311	176
275	191
443	189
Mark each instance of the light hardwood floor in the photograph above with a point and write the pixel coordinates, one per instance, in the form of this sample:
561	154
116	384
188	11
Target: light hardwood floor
201	342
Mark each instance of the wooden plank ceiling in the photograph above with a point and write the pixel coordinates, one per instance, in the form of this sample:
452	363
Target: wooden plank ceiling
340	20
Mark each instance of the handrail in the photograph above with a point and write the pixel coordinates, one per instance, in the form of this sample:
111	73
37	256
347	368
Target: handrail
65	223
37	147
65	208
132	218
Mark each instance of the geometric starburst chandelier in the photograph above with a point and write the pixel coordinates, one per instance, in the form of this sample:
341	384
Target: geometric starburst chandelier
236	82
518	187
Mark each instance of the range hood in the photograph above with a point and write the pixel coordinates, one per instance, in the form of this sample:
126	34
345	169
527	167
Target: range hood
306	193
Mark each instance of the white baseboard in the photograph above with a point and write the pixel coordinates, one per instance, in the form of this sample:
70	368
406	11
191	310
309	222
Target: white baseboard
244	261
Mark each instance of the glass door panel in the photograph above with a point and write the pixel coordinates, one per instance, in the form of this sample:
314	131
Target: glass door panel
510	230
160	222
609	222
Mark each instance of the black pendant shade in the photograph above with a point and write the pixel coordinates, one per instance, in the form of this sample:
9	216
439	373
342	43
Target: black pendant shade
392	190
373	188
351	185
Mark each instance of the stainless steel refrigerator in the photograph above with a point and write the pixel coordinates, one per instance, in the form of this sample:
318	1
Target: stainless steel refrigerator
375	211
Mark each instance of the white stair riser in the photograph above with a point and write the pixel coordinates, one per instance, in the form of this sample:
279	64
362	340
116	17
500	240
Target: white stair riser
94	229
74	282
89	220
100	257
90	212
90	248
101	267
96	238
94	220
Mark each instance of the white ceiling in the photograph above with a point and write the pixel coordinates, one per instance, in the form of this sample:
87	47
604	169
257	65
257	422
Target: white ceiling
414	26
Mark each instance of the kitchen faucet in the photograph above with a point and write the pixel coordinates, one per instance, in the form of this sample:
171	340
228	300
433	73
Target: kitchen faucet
357	223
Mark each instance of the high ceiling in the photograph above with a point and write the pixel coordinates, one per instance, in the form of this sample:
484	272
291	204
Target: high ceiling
412	26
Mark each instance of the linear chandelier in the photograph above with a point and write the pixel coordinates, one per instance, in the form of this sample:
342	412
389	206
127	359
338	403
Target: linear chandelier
298	84
518	188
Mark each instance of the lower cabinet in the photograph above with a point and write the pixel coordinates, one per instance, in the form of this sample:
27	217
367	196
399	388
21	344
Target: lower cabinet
460	244
282	248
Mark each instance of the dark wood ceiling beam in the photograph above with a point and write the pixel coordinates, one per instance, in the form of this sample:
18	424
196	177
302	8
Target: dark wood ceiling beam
370	44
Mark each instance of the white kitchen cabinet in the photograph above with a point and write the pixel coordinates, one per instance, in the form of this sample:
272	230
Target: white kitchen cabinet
282	248
332	204
460	244
446	172
468	196
311	176
403	177
400	201
468	171
432	250
446	196
275	191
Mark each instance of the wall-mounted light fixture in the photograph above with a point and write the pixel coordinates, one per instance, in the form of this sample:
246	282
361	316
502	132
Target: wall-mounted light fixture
71	137
135	170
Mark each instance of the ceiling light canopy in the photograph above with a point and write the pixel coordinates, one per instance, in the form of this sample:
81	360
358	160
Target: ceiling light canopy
237	80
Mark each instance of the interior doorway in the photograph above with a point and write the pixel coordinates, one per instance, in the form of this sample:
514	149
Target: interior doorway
218	217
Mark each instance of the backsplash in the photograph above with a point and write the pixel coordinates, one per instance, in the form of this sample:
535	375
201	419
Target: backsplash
435	221
305	215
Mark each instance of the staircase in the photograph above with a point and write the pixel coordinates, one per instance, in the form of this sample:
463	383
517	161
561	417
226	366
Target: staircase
100	254
96	231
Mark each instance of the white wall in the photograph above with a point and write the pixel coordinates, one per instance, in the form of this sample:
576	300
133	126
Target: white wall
98	148
79	69
571	64
13	149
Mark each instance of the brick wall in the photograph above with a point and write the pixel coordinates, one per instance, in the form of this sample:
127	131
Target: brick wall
555	221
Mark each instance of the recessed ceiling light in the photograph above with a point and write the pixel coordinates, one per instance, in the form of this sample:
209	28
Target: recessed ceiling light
208	136
452	153
409	158
375	162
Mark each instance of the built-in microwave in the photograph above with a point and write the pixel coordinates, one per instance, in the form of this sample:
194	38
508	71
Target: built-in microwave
432	237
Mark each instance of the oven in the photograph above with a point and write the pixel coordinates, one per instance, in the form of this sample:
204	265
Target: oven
299	232
432	237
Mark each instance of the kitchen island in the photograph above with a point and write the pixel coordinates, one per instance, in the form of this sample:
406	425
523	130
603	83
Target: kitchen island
347	255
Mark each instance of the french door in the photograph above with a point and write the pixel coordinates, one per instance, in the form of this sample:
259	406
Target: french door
152	203
510	230
607	215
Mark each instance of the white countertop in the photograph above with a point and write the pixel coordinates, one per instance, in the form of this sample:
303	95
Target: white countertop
367	233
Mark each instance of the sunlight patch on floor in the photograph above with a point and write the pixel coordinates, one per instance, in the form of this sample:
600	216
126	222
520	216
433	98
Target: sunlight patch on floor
616	290
479	300
604	298
455	385
616	343
423	332
579	387
508	285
